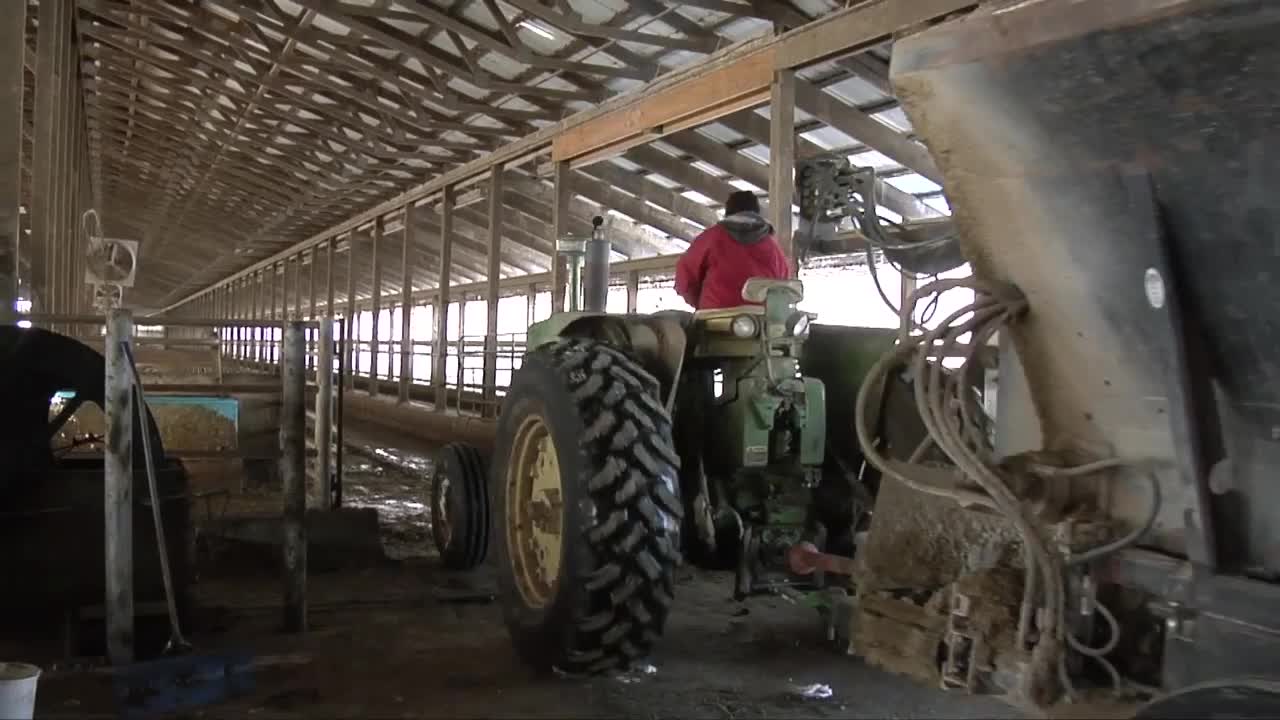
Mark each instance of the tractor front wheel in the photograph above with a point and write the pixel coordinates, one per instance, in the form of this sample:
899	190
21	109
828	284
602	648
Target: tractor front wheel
460	506
584	481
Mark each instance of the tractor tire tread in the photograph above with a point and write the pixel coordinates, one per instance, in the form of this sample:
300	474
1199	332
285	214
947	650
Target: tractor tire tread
635	537
470	546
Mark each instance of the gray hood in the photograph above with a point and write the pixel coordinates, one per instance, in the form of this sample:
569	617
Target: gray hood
748	228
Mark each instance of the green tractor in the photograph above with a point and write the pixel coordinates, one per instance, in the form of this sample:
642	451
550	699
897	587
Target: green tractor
627	443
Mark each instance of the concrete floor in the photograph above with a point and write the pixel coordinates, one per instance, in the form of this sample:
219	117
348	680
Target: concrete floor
408	640
405	638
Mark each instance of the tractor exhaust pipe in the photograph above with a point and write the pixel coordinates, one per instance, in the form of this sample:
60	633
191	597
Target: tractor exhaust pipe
595	281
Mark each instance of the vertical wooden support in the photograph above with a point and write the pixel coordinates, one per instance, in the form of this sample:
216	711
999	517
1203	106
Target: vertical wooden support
407	261
297	287
221	298
311	284
375	281
460	359
530	304
349	332
285	287
782	158
260	312
440	349
64	168
118	495
246	312
324	414
328	277
293	474
562	175
277	335
234	308
489	375
13	46
633	290
47	136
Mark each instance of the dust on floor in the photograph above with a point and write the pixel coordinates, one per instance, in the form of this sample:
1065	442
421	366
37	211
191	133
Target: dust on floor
411	640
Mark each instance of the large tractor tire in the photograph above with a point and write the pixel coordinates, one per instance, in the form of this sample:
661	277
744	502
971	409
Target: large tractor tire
460	516
585	486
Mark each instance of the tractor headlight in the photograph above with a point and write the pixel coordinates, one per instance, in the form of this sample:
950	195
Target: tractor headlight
743	326
798	325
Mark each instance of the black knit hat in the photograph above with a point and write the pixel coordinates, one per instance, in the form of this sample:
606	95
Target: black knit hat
741	201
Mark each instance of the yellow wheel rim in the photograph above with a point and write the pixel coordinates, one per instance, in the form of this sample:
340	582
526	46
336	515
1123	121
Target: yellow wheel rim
535	511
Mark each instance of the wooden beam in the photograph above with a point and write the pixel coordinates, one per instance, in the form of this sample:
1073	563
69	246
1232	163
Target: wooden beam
905	204
440	346
577	26
650	191
563	180
859	28
611	199
683	172
849	30
407	263
350	320
782	158
693	102
311	284
375	279
867	130
328	277
490	372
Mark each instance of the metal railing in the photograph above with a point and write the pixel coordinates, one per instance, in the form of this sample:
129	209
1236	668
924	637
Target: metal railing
464	367
218	336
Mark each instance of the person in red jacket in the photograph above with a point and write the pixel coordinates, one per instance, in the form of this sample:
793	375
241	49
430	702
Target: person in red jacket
720	261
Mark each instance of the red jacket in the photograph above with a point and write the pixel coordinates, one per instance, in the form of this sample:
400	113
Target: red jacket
720	261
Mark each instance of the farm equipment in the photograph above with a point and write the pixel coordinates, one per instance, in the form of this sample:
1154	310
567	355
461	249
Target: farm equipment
1112	166
51	493
627	442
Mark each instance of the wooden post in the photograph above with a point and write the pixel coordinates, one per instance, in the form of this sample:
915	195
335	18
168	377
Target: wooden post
311	284
782	158
375	272
461	354
293	474
260	312
13	23
440	350
324	414
277	335
49	136
633	290
562	175
350	332
530	304
284	297
407	260
118	495
328	277
297	287
489	374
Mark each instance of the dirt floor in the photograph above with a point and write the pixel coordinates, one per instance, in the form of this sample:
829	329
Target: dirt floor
405	638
